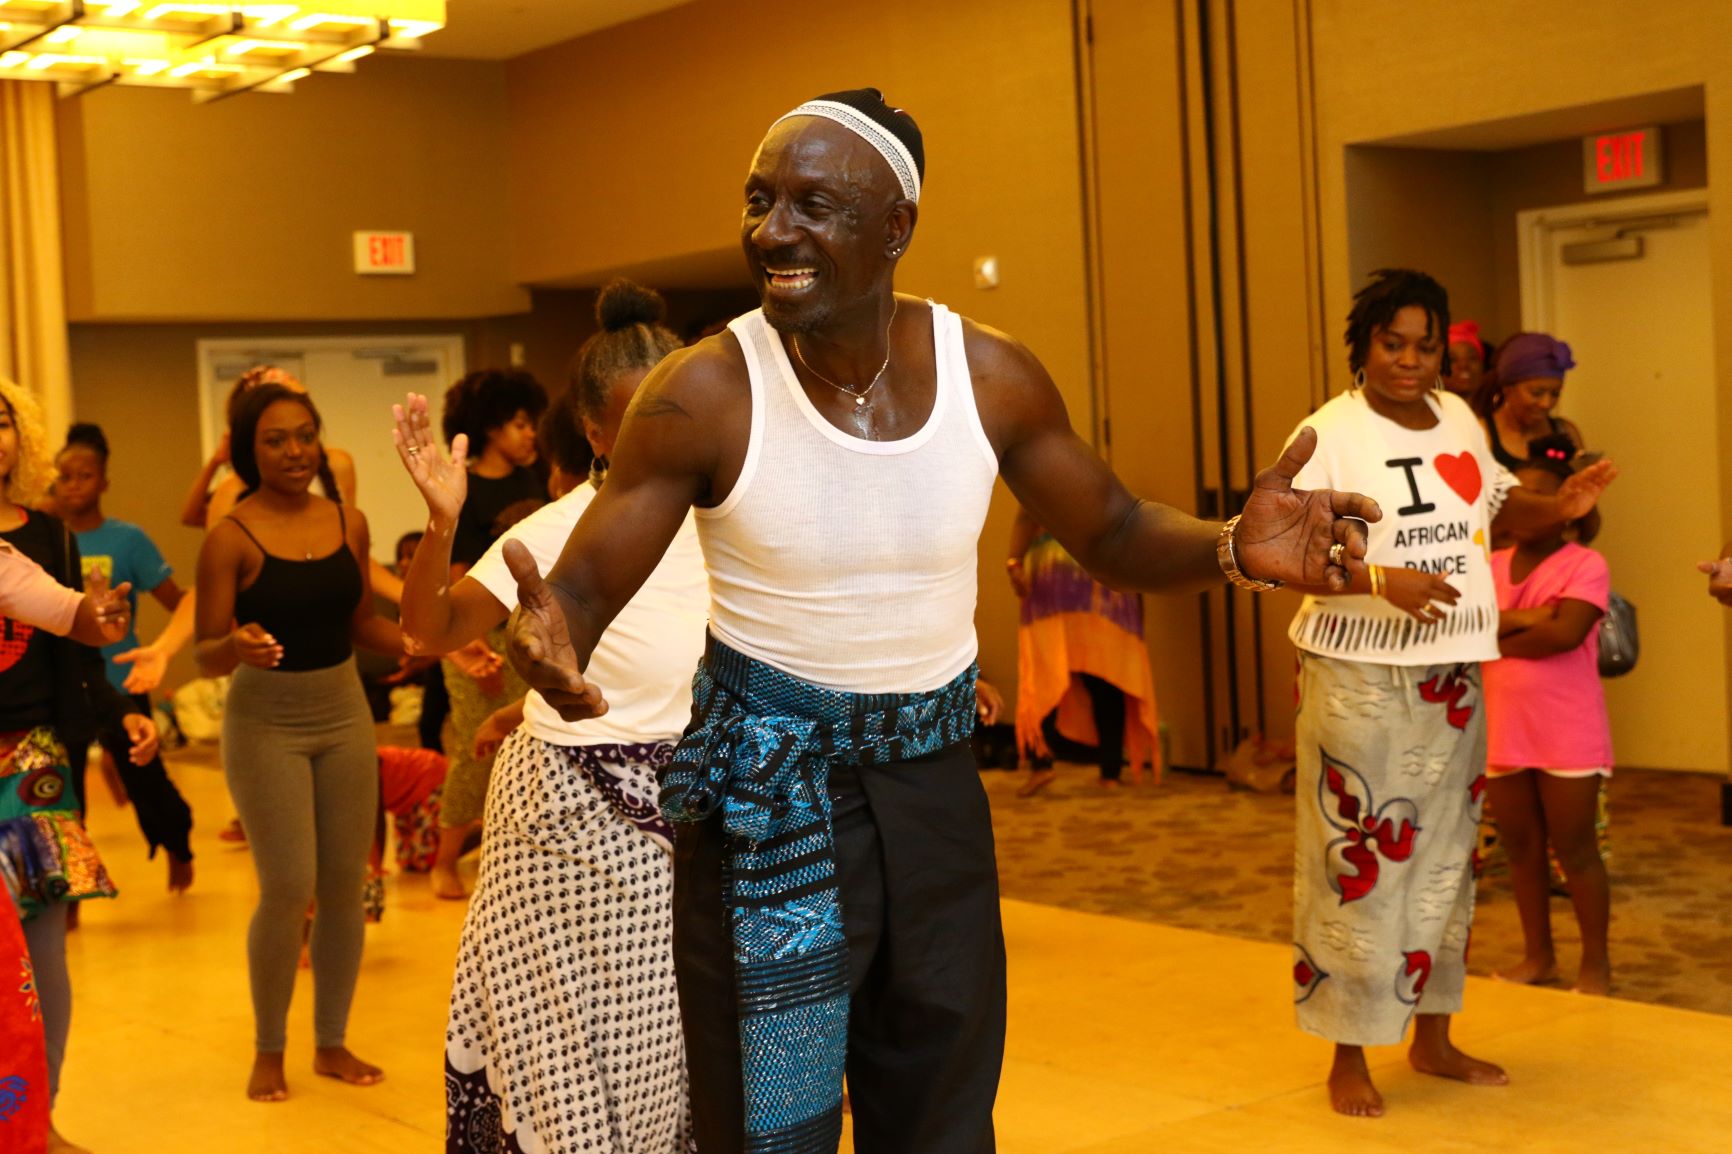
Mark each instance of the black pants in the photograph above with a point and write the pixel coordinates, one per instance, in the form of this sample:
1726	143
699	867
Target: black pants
1108	701
163	815
925	956
435	708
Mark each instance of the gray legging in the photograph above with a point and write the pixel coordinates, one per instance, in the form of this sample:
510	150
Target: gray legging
298	748
45	935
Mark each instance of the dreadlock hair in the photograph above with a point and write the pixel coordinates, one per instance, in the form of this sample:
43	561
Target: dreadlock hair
634	337
1390	291
249	406
85	435
487	399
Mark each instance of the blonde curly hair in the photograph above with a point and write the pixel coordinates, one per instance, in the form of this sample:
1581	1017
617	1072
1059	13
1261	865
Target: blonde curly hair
33	470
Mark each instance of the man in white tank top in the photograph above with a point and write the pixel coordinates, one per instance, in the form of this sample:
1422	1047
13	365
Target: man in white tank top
835	889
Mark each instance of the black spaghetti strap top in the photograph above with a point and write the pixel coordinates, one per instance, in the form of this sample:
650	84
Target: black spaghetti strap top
1504	457
305	605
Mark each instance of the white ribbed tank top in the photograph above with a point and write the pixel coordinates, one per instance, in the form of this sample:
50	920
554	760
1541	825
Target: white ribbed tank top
850	563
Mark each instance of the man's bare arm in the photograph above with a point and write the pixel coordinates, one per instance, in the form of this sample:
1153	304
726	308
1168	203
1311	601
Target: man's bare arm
662	465
1130	543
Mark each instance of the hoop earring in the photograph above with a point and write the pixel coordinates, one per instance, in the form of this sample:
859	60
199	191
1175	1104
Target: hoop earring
597	470
1437	385
1359	379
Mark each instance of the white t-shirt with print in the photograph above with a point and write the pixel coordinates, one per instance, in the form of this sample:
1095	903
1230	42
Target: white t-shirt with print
645	661
1439	489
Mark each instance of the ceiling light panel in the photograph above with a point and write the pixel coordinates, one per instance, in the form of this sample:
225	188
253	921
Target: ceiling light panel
215	49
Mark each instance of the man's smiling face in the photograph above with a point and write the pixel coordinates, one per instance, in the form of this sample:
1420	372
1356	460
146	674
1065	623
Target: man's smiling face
814	224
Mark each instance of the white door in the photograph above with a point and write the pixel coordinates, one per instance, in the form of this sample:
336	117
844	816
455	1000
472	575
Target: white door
1643	391
353	381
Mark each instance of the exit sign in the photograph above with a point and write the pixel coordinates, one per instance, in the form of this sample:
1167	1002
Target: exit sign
384	253
1616	160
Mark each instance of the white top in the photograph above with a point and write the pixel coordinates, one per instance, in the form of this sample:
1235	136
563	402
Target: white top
1439	489
645	661
850	563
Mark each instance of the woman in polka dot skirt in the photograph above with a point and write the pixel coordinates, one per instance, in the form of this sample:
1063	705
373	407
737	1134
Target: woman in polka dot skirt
565	1025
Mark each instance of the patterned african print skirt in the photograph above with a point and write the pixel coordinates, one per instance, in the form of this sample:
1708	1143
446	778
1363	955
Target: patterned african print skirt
1391	777
45	854
564	1035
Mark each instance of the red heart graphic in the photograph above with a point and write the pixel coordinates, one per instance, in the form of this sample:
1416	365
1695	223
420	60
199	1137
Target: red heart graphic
1461	473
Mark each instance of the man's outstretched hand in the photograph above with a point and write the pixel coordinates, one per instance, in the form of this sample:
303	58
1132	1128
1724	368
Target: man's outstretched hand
539	644
1285	534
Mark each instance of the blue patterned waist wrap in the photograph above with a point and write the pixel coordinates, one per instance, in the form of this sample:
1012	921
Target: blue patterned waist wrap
759	752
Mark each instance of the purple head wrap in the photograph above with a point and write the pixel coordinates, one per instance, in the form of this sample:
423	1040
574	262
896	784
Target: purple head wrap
1530	356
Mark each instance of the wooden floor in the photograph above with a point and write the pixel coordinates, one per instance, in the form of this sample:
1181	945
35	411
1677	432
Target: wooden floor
1125	1038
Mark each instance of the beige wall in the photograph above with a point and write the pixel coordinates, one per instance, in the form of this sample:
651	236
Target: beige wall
1428	209
629	147
244	209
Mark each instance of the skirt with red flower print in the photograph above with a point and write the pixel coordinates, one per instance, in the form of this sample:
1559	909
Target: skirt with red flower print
45	854
1391	776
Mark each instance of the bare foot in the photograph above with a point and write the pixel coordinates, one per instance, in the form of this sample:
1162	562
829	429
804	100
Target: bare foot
446	883
1350	1088
267	1083
1109	783
1595	979
59	1145
179	875
1530	972
234	833
1038	779
336	1062
1442	1059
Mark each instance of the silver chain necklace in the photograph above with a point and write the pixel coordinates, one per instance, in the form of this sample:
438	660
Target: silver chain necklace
860	396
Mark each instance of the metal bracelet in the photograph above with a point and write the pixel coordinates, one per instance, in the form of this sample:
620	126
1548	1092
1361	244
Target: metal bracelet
1229	562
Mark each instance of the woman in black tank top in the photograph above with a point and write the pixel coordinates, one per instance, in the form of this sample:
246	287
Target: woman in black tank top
283	598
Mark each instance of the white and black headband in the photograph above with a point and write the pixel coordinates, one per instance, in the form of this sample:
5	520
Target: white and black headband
890	131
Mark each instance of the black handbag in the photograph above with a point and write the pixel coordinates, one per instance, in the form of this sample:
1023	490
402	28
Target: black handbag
1620	644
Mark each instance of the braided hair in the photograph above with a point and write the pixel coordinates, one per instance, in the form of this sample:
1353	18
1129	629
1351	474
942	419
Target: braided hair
85	435
634	337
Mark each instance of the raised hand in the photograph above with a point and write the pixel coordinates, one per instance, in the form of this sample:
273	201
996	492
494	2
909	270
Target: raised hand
484	666
110	611
443	481
148	668
539	644
1285	534
1578	495
1719	579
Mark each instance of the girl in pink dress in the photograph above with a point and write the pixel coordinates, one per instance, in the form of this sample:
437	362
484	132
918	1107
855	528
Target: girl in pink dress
1549	742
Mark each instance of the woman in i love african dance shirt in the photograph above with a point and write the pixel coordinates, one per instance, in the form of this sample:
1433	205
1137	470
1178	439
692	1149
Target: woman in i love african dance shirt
1391	735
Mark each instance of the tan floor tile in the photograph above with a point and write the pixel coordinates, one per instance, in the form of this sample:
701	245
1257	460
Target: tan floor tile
1125	1038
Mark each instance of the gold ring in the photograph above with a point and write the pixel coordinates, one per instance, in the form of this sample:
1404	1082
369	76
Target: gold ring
1337	552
